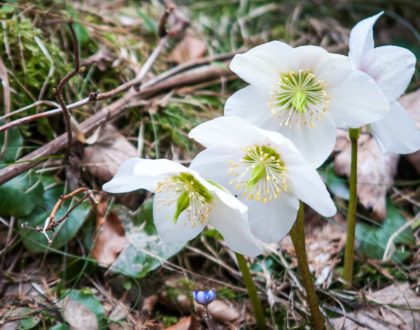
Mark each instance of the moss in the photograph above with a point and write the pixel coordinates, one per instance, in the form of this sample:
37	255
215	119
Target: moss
25	50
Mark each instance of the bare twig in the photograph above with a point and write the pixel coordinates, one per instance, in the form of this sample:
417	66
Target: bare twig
59	91
6	102
162	23
110	113
51	222
95	96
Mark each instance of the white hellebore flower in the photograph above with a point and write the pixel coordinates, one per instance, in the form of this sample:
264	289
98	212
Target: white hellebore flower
392	68
265	171
304	93
184	203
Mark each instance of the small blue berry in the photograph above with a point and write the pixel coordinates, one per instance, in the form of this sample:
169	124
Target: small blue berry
204	297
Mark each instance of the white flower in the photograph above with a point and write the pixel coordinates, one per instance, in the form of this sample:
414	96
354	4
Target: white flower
304	93
265	171
184	203
392	68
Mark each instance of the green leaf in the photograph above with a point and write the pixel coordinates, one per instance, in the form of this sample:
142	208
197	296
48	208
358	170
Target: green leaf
36	241
14	144
144	251
336	184
373	239
60	326
82	34
86	298
29	323
20	196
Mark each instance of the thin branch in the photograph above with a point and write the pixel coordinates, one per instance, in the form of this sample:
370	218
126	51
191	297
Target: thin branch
51	222
6	102
110	113
59	91
120	89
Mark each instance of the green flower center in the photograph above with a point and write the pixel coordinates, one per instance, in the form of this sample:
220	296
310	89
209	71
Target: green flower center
191	197
260	174
299	98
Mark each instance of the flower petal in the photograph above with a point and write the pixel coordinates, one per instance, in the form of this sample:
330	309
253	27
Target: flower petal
271	221
234	226
261	65
361	39
307	185
391	67
307	58
212	163
314	143
333	70
397	132
227	130
251	104
139	173
357	101
163	213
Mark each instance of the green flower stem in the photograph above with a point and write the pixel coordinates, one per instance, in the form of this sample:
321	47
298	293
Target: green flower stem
298	238
252	292
354	134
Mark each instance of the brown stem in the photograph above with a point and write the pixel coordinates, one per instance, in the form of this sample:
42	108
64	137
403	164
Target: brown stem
59	90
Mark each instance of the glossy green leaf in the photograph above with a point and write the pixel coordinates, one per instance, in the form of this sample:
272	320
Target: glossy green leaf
373	239
337	185
36	241
29	323
20	196
14	144
60	326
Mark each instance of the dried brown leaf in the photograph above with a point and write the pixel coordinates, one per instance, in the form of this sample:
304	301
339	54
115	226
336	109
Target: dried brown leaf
101	59
397	308
109	238
103	158
323	245
183	324
222	312
411	103
190	48
375	172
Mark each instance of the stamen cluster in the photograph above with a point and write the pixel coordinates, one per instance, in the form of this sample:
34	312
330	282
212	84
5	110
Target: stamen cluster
260	174
191	197
299	98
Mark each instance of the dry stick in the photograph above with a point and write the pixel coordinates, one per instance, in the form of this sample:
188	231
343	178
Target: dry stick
122	88
59	91
6	102
107	114
33	105
51	222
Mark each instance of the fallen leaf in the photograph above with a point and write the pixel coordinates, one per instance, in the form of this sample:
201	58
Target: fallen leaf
190	48
223	312
109	239
411	103
101	59
375	172
103	158
323	246
395	307
144	251
183	324
119	312
79	316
